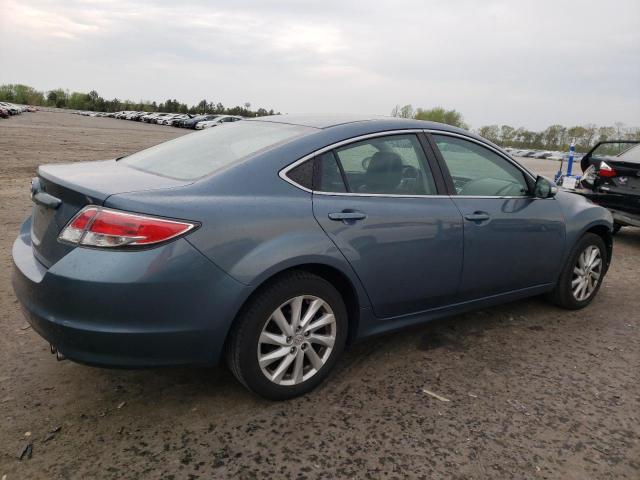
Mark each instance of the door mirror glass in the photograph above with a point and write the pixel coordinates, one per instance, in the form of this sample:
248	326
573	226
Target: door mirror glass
544	188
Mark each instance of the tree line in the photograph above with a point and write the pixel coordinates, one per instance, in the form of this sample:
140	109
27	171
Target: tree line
555	137
92	101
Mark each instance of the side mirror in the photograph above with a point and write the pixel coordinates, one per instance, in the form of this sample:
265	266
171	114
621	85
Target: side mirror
544	188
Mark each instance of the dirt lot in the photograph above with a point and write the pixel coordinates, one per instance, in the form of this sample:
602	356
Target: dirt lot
535	392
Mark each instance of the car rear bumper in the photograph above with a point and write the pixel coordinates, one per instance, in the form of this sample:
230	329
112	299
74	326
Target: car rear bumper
625	218
625	209
163	306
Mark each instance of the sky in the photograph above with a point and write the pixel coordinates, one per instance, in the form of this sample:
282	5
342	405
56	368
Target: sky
527	63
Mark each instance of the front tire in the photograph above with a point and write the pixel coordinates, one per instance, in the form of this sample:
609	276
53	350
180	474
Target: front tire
582	276
288	336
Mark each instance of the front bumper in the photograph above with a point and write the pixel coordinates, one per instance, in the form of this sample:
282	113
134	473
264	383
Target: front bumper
162	306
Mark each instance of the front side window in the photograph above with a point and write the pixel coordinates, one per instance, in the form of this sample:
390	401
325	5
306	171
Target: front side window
199	154
393	164
477	171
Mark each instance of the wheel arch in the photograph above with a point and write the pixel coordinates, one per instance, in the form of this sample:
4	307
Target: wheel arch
345	285
604	232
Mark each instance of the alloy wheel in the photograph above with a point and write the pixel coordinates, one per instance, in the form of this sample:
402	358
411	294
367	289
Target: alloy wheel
297	340
586	273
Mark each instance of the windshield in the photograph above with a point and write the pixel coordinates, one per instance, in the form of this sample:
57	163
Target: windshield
202	153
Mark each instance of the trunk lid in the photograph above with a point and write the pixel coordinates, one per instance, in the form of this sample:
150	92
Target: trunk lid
70	187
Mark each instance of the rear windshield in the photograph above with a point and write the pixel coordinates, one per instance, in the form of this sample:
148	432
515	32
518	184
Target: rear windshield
202	153
631	155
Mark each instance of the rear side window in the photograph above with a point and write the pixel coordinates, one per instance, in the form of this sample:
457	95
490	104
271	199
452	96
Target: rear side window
329	176
477	171
302	174
393	165
202	153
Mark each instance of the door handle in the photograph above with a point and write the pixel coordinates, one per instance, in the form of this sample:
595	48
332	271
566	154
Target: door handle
477	217
346	215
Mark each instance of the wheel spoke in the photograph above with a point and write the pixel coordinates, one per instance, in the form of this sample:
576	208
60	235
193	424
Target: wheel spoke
282	368
581	260
323	321
578	271
271	357
273	339
596	262
282	323
298	366
296	309
324	340
595	274
313	357
312	309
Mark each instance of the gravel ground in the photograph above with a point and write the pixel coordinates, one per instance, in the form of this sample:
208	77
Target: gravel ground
534	391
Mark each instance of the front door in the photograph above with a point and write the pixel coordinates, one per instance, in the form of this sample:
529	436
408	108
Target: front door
377	201
511	239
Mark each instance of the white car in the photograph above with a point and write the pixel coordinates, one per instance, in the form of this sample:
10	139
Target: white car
217	121
12	108
168	120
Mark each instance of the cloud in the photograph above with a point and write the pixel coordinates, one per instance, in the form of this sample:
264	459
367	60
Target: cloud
527	63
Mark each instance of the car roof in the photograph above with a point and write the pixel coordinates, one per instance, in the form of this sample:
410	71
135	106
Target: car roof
321	121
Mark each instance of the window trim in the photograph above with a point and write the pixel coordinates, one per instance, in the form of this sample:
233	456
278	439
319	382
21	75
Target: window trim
416	131
529	177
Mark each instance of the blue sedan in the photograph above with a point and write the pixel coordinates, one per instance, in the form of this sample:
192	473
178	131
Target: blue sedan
275	242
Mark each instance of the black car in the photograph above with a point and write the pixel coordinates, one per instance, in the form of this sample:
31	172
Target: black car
611	178
191	122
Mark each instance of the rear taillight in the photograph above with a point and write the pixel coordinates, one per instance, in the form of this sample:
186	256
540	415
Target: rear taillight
103	227
606	170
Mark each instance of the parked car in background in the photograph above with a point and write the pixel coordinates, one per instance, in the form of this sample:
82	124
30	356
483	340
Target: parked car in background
612	179
541	155
219	120
556	156
193	121
4	113
168	119
177	118
11	108
148	117
275	241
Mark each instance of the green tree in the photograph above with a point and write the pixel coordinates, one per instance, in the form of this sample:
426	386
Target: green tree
441	115
490	132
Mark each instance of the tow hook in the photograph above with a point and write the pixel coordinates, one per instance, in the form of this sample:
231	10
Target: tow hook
59	355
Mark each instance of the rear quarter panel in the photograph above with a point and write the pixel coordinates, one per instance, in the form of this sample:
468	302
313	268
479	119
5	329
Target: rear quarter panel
254	224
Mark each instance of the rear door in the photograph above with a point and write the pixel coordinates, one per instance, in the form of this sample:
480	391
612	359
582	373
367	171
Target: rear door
378	200
512	240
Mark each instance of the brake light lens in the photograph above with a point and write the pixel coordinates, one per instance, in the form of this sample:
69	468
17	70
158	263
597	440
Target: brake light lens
606	170
103	227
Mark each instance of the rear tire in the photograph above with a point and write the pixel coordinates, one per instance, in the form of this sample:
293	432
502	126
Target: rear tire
582	276
288	336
